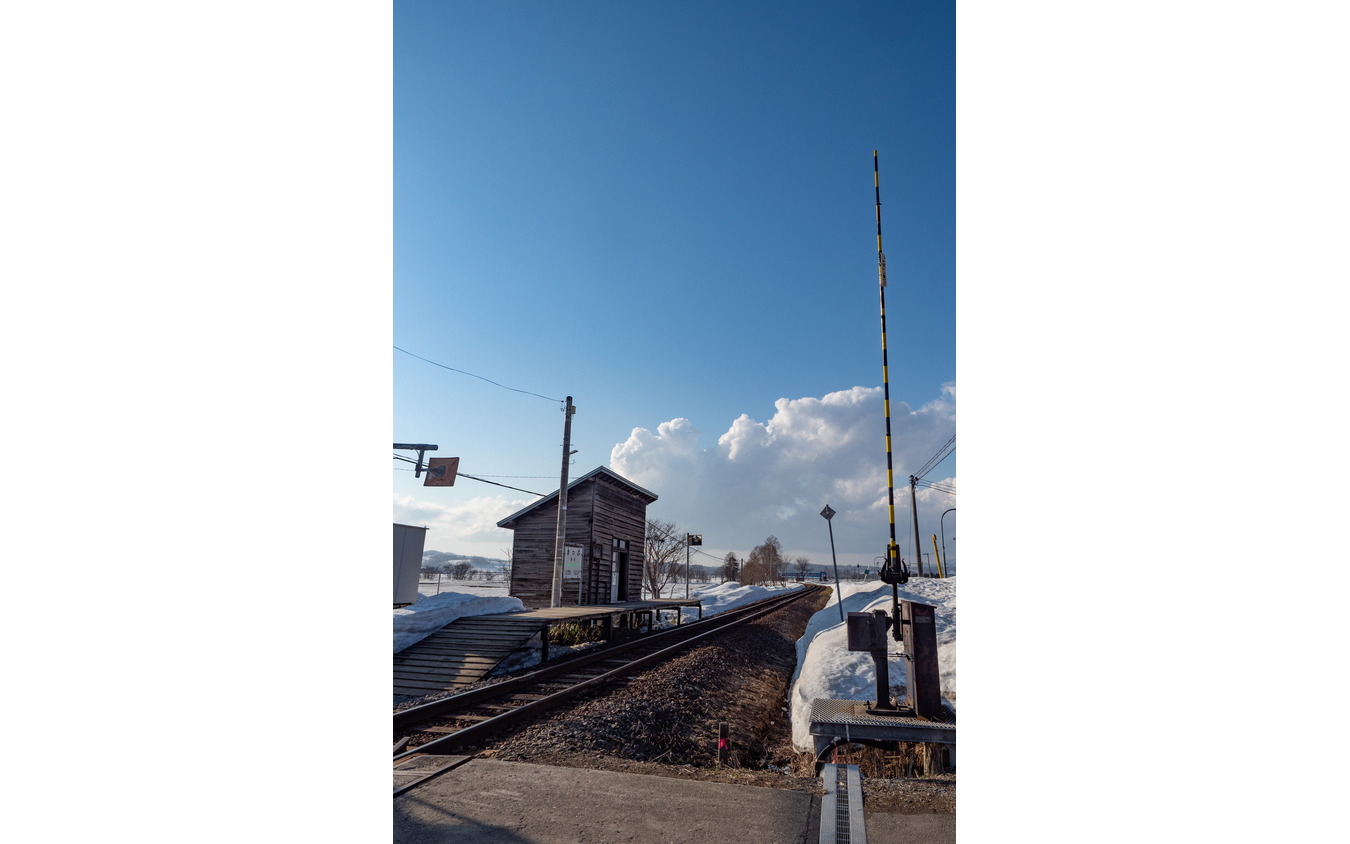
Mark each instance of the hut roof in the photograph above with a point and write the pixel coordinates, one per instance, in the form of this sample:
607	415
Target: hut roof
647	496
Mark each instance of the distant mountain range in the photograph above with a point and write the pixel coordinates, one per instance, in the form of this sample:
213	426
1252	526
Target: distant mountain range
438	558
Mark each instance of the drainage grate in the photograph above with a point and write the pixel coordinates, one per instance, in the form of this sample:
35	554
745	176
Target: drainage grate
841	810
841	805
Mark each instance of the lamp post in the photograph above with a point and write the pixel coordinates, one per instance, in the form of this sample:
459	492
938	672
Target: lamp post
828	513
944	537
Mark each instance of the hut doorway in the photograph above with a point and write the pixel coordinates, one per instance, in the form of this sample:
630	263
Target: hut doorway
618	581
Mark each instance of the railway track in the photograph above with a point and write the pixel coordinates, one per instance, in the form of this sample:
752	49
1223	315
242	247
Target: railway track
451	725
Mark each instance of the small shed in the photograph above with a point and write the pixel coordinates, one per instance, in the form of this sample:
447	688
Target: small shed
606	524
408	544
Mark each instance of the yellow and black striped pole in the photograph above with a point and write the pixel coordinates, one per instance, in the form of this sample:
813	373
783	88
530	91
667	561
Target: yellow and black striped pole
893	564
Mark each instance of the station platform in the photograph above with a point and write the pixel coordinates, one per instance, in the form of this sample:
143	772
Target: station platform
468	649
478	801
615	611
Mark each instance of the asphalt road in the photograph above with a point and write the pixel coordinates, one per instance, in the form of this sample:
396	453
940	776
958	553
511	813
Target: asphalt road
491	802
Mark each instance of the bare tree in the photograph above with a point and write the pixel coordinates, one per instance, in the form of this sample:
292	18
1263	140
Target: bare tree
731	567
799	567
663	553
766	563
505	565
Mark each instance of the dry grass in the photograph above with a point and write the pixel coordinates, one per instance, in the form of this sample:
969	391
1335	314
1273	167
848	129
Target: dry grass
899	760
576	633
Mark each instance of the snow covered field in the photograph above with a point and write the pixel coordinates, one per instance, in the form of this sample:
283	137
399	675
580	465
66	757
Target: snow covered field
825	666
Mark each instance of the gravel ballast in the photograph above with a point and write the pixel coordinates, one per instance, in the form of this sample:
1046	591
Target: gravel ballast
664	721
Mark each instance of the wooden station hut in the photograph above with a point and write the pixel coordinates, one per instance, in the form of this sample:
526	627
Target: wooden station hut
606	520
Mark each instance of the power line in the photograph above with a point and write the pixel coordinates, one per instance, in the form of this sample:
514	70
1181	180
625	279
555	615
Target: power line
523	477
494	483
480	377
939	487
933	461
935	485
472	477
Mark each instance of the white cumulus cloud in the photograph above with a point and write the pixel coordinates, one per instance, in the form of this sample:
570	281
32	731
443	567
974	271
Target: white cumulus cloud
773	477
468	527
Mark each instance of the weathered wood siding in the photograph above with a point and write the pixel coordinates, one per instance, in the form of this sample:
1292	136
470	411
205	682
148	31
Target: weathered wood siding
599	511
619	514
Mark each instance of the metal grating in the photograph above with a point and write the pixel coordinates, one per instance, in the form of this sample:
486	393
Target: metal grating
841	831
855	712
850	720
841	810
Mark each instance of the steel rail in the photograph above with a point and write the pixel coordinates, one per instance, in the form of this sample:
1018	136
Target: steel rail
403	719
482	729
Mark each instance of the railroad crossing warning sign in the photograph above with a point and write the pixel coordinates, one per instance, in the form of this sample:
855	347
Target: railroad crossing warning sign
441	471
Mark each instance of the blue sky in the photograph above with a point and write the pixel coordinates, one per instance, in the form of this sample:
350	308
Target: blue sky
667	212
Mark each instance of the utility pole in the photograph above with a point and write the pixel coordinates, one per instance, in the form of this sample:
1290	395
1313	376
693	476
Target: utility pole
943	528
568	412
913	508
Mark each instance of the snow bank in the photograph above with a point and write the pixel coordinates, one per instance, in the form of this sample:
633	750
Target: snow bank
729	595
413	624
827	669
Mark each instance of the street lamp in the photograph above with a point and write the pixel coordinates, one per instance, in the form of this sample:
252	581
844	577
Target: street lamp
944	536
828	513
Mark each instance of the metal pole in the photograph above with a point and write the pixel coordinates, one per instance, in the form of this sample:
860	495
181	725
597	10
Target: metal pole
944	533
892	550
562	506
837	585
914	508
686	567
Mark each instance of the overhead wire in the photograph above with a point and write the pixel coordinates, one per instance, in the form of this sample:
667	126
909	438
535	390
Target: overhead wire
494	483
479	377
472	477
933	461
936	485
939	487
